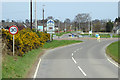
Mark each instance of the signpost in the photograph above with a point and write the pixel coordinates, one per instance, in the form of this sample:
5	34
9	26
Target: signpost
13	30
50	28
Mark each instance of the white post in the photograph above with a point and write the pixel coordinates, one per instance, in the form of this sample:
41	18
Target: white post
50	36
13	45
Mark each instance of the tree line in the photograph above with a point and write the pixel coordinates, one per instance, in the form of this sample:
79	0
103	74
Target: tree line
81	22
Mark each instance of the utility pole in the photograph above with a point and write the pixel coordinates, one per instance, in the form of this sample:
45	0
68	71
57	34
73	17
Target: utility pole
31	14
36	17
43	18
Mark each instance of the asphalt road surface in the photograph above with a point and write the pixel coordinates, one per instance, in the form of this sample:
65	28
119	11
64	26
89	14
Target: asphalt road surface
81	60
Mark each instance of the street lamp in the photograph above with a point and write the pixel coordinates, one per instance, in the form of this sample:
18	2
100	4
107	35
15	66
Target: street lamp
43	18
65	26
59	28
36	17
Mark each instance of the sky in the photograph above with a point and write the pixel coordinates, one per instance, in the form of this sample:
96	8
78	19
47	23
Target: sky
60	10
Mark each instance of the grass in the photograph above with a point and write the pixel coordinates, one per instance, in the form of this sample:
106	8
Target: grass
18	67
104	35
112	51
57	43
60	34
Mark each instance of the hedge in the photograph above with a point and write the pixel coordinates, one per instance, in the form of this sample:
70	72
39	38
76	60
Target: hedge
25	40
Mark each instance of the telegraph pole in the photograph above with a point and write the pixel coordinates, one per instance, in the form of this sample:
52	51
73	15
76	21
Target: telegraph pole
31	14
35	17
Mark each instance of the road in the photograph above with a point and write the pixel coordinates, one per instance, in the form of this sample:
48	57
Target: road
81	60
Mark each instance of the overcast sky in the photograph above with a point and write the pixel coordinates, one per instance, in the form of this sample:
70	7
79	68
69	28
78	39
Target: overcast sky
62	10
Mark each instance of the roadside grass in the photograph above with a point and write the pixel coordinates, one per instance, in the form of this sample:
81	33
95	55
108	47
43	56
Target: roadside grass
57	43
112	51
116	36
60	34
104	35
18	67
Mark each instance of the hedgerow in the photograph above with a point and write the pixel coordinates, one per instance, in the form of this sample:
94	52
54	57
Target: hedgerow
25	40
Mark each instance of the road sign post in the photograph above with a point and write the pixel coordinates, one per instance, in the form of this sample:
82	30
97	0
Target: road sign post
13	30
13	46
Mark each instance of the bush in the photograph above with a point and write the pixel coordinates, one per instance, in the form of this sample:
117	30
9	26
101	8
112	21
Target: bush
25	40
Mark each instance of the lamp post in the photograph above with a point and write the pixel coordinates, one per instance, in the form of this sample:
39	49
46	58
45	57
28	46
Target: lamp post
43	19
35	16
31	14
59	28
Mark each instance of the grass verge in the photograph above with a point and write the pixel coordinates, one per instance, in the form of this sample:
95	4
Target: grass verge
60	34
112	51
18	67
57	43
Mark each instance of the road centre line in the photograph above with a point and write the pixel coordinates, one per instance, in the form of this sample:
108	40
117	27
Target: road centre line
72	54
82	71
74	60
37	69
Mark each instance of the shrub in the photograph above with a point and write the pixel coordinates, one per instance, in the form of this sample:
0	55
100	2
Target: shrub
25	40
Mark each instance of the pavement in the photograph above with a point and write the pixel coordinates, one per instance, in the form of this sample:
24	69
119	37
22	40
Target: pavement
82	60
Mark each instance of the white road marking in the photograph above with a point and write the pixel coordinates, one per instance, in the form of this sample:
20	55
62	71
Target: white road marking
82	71
72	54
77	49
112	61
37	69
74	60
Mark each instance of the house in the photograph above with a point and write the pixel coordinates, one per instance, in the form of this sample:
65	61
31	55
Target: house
116	30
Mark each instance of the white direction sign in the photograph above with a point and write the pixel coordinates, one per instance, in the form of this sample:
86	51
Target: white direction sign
50	26
13	30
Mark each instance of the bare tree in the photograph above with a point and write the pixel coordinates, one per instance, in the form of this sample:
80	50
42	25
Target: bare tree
50	17
82	18
67	23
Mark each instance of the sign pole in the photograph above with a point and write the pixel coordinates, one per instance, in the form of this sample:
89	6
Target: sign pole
13	30
13	45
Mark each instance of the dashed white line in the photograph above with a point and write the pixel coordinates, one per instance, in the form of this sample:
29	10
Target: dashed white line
82	71
72	54
74	60
37	69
